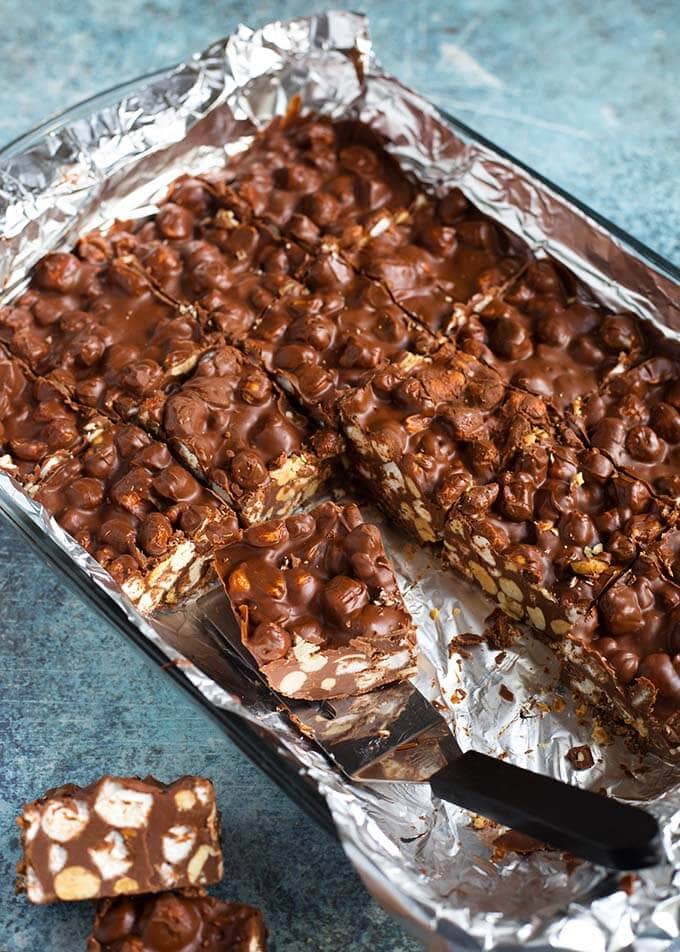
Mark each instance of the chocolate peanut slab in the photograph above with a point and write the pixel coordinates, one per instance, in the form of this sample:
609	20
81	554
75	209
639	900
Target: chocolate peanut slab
441	259
627	662
119	836
175	922
556	527
326	334
235	429
139	513
37	426
635	420
421	437
229	270
317	180
101	331
546	336
318	604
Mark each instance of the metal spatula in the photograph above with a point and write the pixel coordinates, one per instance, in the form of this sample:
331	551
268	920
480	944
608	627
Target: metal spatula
395	734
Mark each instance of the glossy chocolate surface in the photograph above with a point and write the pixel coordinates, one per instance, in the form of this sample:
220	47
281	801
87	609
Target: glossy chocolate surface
635	419
35	422
232	424
439	429
440	257
173	922
638	633
127	501
229	270
330	332
318	604
549	339
563	522
120	836
316	179
101	330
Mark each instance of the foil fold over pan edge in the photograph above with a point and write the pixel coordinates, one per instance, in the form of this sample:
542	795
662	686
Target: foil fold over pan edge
422	859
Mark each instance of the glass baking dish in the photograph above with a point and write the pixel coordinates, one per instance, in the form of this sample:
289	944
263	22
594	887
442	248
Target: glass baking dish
260	746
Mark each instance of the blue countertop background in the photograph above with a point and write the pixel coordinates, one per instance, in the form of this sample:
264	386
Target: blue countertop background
585	93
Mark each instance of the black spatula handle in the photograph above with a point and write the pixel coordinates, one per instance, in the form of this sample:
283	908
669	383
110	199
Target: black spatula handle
590	826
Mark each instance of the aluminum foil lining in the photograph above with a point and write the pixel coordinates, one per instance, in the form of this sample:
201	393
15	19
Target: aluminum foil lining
429	862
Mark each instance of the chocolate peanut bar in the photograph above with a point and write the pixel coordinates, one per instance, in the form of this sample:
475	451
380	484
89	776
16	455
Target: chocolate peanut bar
635	420
141	514
318	605
319	181
228	270
440	259
626	663
421	437
328	333
119	836
556	527
37	426
235	429
101	330
170	922
546	336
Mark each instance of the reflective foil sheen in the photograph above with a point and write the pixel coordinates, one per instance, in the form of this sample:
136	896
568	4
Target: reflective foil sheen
427	861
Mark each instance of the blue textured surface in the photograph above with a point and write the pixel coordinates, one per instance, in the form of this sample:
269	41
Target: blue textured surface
585	93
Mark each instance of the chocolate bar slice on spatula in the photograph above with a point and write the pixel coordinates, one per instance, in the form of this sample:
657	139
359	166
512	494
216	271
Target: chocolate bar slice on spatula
321	614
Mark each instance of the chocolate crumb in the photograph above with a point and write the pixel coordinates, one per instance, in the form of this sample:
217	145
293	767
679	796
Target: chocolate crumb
506	693
580	758
628	883
500	631
514	842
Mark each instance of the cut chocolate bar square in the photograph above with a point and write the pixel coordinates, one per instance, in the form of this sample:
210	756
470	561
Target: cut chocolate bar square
545	335
318	604
441	259
101	331
235	429
626	663
330	332
119	836
227	269
37	426
141	514
175	921
635	420
556	527
318	179
422	436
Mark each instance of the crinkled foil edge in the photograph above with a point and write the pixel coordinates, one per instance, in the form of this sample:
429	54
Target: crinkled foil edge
422	859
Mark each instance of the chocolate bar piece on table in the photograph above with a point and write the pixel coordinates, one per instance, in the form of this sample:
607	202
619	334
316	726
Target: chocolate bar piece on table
318	604
37	426
554	529
546	336
329	332
173	921
120	836
420	437
101	331
235	429
441	260
141	514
